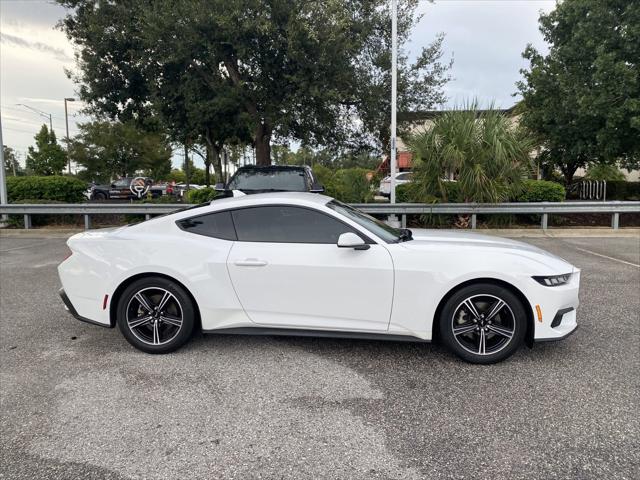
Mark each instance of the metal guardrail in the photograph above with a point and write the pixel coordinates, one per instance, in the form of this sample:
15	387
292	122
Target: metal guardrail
403	209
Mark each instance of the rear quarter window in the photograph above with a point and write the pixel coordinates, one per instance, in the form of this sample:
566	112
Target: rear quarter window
215	225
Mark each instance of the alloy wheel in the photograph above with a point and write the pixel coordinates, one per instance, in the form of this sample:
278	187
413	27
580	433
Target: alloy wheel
483	324
154	316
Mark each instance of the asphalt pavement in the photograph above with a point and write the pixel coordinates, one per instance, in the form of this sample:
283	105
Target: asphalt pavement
77	402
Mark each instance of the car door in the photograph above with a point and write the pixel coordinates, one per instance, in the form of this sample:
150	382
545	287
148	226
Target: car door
288	271
120	189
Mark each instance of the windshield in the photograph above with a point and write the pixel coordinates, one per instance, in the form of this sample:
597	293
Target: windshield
281	180
375	226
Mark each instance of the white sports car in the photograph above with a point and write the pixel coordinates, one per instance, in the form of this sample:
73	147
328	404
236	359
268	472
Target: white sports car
305	264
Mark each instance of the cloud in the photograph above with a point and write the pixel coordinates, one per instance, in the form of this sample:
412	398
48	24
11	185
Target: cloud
17	41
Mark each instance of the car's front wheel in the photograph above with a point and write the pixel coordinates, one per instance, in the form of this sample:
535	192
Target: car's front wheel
483	323
155	315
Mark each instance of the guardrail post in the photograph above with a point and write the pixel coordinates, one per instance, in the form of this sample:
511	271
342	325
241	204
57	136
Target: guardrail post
474	221
404	220
545	221
615	221
27	221
147	216
87	221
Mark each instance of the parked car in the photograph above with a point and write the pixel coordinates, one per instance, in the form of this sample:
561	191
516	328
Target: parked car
121	189
305	264
272	178
385	183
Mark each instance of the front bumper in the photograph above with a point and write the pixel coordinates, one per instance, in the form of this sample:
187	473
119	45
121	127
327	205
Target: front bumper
558	308
564	323
71	309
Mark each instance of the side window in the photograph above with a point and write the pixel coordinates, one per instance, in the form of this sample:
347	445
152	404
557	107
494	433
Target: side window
217	225
284	224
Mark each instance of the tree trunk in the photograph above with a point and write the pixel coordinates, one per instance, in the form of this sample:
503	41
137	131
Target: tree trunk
217	164
263	143
187	170
207	167
568	172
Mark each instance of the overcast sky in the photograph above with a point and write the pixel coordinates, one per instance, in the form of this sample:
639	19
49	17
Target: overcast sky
484	37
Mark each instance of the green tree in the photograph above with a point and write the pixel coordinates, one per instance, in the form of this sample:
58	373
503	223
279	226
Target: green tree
582	99
47	158
488	157
603	171
11	164
109	149
286	68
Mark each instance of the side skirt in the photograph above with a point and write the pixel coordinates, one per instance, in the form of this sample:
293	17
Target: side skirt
293	332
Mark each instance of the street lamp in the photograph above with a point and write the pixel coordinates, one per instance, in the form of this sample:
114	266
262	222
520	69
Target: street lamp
3	185
66	122
39	112
393	219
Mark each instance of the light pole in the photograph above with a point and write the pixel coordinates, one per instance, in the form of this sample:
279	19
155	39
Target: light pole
66	123
3	185
393	219
39	112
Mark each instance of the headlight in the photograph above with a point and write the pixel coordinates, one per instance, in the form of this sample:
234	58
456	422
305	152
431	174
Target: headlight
553	280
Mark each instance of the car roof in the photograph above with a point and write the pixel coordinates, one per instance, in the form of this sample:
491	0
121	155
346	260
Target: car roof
298	198
273	167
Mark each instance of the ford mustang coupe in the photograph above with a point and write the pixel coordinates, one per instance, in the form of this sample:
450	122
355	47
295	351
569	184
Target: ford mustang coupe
305	264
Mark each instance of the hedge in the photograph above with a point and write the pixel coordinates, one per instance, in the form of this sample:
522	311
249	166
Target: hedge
541	191
202	195
56	188
348	185
622	190
408	193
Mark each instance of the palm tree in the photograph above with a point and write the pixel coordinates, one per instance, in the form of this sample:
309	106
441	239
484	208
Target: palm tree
481	149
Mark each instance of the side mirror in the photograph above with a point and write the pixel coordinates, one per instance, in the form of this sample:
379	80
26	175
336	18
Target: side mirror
317	188
219	187
351	240
113	185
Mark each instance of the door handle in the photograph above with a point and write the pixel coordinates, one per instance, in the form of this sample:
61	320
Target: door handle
250	262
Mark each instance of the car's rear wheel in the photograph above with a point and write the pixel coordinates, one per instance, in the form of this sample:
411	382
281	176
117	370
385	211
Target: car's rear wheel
483	323
100	196
155	315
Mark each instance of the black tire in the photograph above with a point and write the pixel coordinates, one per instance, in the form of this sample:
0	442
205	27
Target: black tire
99	196
500	335
146	327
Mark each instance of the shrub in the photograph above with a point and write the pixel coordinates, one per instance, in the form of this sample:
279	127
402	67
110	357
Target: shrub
202	195
413	193
37	189
541	191
622	190
488	156
404	193
348	185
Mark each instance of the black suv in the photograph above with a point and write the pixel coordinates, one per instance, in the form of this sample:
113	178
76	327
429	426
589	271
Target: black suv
272	178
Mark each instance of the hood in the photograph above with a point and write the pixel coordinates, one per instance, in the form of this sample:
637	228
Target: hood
427	239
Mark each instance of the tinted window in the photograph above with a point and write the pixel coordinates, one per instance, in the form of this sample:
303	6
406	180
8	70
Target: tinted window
381	229
283	224
217	225
404	176
283	180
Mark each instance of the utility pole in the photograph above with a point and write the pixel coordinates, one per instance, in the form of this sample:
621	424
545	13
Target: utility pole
41	113
66	122
393	219
3	184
